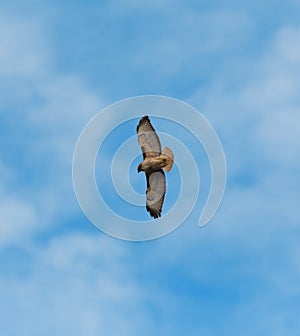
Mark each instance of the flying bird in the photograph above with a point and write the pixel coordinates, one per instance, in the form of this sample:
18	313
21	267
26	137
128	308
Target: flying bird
154	163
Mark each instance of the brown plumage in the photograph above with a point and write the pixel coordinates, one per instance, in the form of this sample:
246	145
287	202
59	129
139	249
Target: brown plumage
154	164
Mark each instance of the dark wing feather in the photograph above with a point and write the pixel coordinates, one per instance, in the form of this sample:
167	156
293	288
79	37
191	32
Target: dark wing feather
148	138
156	190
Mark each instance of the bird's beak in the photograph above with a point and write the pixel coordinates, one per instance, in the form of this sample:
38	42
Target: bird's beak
139	169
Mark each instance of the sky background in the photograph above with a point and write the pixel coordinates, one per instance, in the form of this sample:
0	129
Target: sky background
238	63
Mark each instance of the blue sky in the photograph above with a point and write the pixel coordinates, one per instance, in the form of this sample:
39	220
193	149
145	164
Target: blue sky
239	64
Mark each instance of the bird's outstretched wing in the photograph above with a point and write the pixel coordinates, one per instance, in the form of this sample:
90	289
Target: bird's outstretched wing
156	190
148	138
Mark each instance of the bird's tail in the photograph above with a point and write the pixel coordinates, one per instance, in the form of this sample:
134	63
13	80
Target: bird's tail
168	154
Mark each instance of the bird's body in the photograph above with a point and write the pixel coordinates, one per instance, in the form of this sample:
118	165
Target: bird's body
150	165
154	163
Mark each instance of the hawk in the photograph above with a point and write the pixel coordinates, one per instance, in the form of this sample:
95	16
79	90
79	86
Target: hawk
154	164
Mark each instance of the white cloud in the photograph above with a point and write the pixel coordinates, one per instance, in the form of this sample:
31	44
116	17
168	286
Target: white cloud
50	110
18	220
24	51
277	131
67	105
287	43
258	118
78	284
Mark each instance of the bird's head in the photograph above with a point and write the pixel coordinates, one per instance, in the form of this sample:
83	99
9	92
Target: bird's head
139	168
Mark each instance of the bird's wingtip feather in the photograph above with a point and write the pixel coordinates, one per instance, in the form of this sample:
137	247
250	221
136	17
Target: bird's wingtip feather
144	118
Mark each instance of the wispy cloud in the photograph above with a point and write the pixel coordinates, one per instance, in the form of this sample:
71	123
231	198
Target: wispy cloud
244	75
47	111
24	51
18	221
92	291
